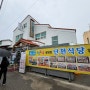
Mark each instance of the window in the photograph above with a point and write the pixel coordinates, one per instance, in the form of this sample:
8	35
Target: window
32	28
25	25
0	42
55	40
18	37
37	36
43	34
40	35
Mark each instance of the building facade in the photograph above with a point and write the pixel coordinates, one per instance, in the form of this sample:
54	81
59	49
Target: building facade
30	29
7	44
86	37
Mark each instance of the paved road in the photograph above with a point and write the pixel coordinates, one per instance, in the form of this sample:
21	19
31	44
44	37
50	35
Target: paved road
35	81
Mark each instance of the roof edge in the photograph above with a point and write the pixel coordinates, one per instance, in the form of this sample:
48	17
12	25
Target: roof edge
57	28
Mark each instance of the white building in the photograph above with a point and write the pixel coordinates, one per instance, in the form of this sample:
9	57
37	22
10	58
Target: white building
7	43
30	29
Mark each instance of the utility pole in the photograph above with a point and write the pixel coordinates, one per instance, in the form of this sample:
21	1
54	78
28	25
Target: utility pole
1	4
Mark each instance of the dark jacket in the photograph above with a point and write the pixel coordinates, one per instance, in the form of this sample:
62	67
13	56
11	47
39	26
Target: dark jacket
4	63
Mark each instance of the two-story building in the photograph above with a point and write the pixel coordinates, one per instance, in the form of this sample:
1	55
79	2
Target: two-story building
35	34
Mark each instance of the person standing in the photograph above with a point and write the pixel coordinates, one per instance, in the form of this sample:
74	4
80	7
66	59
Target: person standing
4	64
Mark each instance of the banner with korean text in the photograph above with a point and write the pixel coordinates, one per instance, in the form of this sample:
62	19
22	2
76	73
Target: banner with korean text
73	58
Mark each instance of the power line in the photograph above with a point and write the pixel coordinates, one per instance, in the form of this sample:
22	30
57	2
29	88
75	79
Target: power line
24	12
10	26
1	4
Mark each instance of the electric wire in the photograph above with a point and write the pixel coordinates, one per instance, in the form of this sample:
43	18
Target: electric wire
10	26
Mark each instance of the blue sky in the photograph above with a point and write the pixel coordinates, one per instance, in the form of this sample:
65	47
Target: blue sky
58	13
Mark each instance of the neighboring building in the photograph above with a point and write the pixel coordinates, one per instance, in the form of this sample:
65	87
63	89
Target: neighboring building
7	44
86	37
43	34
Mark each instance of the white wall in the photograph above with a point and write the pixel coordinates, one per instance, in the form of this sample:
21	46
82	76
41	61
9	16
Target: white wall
15	33
39	29
64	36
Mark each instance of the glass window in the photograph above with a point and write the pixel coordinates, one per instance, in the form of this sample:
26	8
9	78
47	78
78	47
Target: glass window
37	36
18	37
43	34
25	25
32	28
55	40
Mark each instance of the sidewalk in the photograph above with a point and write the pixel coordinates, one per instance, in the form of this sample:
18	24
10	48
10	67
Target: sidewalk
36	81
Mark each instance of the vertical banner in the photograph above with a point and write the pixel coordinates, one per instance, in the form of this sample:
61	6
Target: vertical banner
22	62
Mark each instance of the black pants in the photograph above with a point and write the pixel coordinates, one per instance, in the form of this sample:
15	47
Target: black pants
3	72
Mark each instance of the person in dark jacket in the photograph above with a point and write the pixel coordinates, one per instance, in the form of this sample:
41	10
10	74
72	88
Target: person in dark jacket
4	64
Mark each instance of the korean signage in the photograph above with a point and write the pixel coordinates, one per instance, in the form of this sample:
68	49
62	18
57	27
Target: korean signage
75	58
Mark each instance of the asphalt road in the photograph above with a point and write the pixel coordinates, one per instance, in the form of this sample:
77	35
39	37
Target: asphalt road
35	81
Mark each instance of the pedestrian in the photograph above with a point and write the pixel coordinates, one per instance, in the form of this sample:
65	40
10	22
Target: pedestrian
4	64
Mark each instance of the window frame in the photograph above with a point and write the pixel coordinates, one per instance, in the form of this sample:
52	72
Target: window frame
18	37
43	34
24	25
54	41
37	38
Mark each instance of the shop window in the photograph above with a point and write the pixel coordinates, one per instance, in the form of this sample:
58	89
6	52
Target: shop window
55	40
